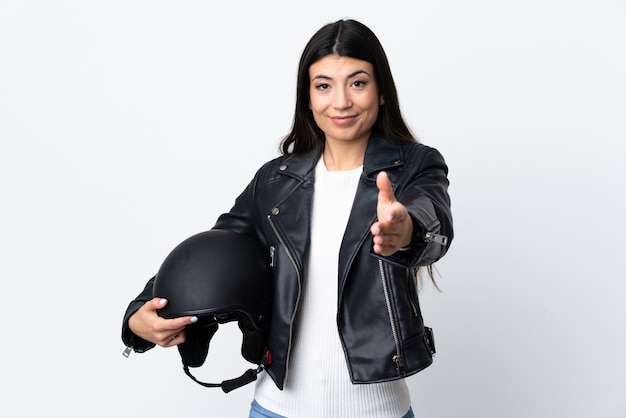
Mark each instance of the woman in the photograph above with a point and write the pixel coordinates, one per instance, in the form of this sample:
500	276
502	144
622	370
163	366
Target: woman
350	211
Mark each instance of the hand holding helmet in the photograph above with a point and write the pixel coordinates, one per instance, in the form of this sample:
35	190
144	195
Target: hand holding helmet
147	324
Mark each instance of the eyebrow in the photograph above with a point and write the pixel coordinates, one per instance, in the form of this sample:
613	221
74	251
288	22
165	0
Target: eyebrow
325	77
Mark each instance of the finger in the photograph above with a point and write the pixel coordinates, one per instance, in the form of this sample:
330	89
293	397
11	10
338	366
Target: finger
172	338
156	303
387	241
384	250
176	339
167	341
385	191
181	322
375	228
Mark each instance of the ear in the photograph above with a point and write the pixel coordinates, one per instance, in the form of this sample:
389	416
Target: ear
381	100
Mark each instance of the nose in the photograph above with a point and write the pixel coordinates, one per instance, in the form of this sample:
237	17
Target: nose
341	99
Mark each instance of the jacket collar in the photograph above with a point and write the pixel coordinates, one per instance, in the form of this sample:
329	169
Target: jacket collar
380	154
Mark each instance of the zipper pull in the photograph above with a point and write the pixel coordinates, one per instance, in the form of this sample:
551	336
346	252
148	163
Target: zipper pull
436	238
272	252
127	351
399	365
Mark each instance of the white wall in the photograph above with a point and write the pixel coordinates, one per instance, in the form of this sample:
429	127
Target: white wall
119	126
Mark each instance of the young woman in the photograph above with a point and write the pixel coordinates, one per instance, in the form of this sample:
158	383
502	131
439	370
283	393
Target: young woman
350	212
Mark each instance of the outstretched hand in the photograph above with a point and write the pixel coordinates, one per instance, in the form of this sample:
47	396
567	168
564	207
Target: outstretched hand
394	228
147	324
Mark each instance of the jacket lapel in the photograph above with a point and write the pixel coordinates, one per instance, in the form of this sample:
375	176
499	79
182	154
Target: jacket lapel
291	210
381	154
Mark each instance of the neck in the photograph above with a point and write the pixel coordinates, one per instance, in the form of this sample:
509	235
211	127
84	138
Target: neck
342	156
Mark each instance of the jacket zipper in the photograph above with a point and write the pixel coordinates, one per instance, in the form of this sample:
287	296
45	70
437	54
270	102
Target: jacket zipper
398	359
437	238
299	276
272	254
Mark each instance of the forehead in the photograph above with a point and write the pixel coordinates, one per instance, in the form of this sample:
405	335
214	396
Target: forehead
337	66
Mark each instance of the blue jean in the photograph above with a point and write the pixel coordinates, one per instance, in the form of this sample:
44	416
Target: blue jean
257	411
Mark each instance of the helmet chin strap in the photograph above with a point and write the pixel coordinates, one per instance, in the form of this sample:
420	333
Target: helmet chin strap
248	376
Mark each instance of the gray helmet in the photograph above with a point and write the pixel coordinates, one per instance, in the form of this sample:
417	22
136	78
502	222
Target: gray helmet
219	276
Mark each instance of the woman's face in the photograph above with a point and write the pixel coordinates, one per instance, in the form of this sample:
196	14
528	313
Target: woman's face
344	98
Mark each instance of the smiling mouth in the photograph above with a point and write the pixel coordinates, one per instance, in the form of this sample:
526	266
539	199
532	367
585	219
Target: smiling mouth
342	120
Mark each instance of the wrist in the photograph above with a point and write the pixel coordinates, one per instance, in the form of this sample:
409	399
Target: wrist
415	236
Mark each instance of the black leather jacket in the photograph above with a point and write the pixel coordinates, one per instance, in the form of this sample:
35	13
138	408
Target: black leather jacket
378	315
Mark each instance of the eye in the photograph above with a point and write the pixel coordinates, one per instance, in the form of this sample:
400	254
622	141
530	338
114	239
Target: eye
321	87
359	83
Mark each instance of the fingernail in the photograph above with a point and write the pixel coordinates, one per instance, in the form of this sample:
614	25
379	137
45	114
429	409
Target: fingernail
162	301
194	319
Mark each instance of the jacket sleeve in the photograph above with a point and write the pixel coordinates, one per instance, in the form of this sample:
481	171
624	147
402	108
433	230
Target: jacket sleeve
138	344
426	198
241	217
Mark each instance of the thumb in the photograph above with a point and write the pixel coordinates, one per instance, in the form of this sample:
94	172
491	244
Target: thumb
385	192
158	303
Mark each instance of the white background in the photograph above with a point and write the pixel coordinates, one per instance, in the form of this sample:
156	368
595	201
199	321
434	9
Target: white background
127	126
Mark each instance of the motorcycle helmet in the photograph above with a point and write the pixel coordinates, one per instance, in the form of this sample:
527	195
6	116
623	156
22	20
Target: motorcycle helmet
219	276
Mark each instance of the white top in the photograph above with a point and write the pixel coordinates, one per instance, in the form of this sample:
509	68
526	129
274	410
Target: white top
318	383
